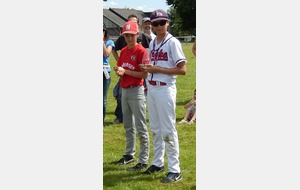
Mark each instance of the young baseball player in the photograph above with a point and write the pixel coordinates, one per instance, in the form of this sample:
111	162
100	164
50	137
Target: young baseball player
133	98
167	61
119	45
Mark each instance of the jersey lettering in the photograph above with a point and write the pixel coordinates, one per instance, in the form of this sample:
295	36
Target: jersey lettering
128	65
159	56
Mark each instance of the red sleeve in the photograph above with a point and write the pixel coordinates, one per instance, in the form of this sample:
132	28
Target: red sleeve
142	54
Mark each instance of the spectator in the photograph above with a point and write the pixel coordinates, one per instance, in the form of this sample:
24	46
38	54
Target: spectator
108	45
190	114
147	28
194	48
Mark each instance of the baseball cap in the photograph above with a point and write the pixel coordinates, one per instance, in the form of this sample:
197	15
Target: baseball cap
146	19
130	28
159	15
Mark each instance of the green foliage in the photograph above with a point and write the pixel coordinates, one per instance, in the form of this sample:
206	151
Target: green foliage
116	177
175	23
183	16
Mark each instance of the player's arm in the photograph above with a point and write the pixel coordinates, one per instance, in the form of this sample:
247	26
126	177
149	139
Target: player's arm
180	69
137	74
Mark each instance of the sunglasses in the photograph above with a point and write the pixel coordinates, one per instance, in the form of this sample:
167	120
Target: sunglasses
160	23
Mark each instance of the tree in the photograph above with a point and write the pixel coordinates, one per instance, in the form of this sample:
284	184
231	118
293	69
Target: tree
183	15
175	23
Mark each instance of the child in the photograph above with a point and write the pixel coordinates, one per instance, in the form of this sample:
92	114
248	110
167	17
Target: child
190	114
133	98
167	61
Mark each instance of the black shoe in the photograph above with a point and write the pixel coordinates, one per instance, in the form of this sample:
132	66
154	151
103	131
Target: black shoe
153	169
172	178
125	160
137	167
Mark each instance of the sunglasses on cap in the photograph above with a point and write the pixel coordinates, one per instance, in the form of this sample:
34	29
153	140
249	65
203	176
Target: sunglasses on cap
160	23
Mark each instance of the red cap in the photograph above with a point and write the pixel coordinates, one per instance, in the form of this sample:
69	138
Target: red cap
130	28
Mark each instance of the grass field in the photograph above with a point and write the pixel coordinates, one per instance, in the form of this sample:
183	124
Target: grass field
116	177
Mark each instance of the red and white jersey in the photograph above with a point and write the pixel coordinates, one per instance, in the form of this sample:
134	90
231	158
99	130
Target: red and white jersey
167	54
130	59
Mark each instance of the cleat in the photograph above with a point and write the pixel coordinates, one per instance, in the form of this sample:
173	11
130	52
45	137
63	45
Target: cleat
153	169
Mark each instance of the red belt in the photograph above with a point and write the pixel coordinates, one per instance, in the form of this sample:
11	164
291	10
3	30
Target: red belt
132	86
157	83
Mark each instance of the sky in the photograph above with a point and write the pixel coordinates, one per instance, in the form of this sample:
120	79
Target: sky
146	5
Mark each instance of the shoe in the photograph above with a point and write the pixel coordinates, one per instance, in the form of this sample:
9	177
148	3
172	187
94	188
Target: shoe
183	121
126	159
137	167
191	122
153	169
116	121
172	178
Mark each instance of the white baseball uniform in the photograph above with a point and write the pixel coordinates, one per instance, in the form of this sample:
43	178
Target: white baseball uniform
161	100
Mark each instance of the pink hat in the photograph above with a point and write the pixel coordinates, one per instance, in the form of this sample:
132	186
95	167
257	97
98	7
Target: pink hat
130	28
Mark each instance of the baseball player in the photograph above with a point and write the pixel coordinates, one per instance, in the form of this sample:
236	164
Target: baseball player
133	98
119	45
167	61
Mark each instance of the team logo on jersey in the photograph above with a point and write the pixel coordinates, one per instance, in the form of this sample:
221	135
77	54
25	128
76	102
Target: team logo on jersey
133	57
159	55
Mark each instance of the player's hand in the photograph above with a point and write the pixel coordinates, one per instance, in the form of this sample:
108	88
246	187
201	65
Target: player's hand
146	67
120	71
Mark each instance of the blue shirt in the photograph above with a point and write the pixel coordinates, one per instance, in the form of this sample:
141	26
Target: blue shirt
106	59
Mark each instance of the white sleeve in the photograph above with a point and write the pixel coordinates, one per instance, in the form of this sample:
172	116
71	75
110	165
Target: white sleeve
176	52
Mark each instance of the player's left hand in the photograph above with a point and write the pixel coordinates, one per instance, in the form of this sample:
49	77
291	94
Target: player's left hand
146	67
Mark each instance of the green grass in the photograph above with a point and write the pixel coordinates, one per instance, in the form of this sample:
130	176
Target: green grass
116	177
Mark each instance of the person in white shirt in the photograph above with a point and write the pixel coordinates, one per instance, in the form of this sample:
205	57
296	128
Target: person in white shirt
167	61
147	28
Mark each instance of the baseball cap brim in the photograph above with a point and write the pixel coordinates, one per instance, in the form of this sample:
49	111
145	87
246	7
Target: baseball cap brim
147	19
156	19
129	32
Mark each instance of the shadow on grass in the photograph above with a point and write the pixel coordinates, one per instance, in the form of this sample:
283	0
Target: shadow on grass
110	113
114	175
109	124
182	103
